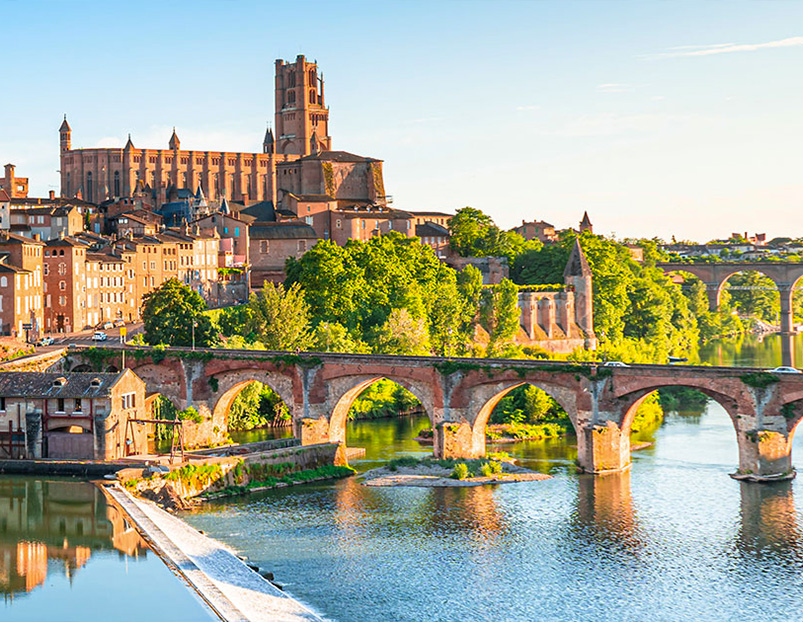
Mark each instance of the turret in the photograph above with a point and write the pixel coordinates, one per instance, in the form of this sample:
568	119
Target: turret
578	277
269	144
585	224
129	144
64	135
175	143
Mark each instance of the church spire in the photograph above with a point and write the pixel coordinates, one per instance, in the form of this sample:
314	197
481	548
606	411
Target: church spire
129	144
175	143
269	144
585	224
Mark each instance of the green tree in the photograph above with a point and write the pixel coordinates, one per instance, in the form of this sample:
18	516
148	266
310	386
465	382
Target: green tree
168	315
499	315
280	318
473	233
403	334
333	337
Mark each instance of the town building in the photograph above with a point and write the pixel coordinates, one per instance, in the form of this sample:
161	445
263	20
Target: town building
21	286
15	187
537	230
74	416
272	244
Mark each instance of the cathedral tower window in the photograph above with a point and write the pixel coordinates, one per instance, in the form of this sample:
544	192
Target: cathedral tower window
117	183
89	193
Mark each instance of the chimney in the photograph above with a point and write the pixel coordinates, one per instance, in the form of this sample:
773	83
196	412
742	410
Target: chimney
52	194
38	238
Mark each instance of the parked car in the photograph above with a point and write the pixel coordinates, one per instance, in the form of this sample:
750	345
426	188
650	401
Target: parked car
99	335
119	323
785	370
615	364
107	325
45	341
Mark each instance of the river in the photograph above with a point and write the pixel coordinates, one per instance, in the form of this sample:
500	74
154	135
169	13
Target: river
673	539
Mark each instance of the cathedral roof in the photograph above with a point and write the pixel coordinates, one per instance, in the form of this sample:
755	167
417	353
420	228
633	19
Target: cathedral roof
65	127
338	156
586	220
282	230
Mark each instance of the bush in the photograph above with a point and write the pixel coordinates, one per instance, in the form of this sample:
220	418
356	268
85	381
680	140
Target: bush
489	469
460	471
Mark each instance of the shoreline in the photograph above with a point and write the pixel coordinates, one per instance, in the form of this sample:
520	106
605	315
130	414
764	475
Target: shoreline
434	476
233	590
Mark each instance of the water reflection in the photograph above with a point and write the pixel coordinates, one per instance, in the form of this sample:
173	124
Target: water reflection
604	511
54	526
769	521
753	350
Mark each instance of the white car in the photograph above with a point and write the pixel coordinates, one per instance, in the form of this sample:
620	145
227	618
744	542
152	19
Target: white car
785	370
99	335
45	341
615	364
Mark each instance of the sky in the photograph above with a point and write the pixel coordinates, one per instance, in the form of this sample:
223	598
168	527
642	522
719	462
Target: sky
662	118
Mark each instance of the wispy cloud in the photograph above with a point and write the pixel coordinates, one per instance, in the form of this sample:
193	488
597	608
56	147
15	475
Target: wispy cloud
530	108
613	87
727	48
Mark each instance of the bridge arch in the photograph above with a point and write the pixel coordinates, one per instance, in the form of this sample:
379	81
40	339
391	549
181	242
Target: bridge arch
344	390
632	401
231	383
483	398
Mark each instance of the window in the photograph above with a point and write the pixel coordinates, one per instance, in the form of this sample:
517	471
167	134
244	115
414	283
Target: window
117	183
62	301
3	282
236	232
2	403
363	224
153	265
129	400
62	285
62	268
264	247
302	246
60	405
77	408
45	268
225	230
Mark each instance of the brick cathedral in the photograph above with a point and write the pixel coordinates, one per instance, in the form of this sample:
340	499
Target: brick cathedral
296	163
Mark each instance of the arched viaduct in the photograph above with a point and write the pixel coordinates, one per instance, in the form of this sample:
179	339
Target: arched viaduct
459	395
715	275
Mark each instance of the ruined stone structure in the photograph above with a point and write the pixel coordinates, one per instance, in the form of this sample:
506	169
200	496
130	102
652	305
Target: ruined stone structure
458	395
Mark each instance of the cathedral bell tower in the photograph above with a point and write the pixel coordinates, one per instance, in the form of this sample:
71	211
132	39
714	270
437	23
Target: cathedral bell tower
300	108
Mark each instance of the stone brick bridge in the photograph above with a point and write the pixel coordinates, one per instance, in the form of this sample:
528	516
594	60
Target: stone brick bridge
458	395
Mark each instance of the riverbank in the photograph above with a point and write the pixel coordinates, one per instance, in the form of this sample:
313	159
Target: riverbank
234	591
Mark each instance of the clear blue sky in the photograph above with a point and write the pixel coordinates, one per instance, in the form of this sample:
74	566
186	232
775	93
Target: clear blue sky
659	118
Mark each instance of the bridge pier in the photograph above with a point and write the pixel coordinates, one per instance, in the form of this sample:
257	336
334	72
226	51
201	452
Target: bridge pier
603	448
764	456
712	290
787	317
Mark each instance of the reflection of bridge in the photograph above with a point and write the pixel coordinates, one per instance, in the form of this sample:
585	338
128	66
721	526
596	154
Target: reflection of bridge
459	395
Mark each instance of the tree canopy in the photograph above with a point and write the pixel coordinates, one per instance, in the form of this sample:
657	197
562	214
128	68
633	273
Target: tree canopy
168	314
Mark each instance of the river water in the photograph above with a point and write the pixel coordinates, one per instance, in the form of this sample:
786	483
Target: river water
673	539
66	554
